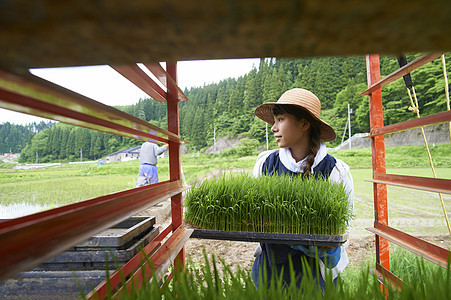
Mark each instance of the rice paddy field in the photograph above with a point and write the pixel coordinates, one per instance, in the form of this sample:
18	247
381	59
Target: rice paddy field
28	190
42	187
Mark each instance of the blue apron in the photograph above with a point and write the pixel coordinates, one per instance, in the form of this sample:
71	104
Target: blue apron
275	256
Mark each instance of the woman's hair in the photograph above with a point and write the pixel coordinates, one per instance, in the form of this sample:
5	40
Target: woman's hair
300	114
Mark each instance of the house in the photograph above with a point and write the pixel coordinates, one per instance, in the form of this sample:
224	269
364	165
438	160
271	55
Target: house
124	155
10	155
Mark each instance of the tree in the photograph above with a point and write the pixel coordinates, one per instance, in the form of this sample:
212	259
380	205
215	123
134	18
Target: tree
198	134
253	92
235	103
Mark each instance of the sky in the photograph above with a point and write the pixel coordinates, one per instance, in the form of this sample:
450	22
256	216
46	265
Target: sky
105	85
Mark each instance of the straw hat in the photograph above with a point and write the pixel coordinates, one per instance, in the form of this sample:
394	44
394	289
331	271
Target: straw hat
303	99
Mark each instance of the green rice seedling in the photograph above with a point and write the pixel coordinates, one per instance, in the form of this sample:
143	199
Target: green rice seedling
206	281
269	204
411	267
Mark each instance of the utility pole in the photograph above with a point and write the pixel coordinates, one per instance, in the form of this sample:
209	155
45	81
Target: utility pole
344	133
349	127
214	140
266	136
81	155
37	158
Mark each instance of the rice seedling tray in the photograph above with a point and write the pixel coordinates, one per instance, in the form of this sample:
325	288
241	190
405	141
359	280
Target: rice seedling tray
96	258
273	238
119	235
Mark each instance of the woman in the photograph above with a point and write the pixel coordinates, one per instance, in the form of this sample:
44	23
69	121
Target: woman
299	132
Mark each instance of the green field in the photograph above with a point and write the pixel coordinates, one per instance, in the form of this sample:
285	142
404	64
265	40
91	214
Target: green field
416	212
409	210
56	186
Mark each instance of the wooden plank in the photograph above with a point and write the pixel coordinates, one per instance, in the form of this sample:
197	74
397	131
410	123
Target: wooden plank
420	61
33	239
437	185
418	246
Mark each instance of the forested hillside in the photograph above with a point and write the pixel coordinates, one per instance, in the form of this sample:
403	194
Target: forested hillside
227	107
14	137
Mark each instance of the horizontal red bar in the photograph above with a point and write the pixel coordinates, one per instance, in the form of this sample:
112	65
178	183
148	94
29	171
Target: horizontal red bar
33	95
166	79
8	224
433	119
161	259
385	276
73	117
139	78
438	185
420	61
418	246
31	240
101	291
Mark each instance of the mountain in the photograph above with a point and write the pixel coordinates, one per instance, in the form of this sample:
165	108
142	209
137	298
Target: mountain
226	108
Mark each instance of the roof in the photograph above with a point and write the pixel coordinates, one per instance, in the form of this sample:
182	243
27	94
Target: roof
125	151
68	33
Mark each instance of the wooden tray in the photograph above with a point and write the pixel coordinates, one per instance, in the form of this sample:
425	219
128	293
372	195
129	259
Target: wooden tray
273	238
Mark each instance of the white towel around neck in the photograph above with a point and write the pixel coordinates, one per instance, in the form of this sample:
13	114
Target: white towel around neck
298	167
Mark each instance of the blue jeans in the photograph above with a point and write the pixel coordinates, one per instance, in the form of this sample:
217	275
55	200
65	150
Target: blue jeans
147	175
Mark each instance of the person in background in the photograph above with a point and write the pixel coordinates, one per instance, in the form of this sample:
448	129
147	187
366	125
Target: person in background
148	173
300	133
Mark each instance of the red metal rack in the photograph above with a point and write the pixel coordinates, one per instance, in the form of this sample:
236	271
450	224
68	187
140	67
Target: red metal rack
383	232
30	240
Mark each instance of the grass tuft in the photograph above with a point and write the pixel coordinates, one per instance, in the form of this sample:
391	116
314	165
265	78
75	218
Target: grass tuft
269	204
207	281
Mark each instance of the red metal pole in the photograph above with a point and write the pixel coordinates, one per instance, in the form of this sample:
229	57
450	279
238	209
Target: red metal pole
174	153
378	155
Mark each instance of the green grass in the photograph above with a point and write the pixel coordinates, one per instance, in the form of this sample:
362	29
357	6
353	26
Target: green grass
414	211
269	204
57	186
205	281
52	187
71	183
54	192
398	157
411	267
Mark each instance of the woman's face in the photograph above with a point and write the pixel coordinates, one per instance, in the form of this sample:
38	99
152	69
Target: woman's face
290	132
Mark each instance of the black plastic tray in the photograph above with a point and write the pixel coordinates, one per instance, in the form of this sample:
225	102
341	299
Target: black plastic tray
273	238
120	234
95	258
